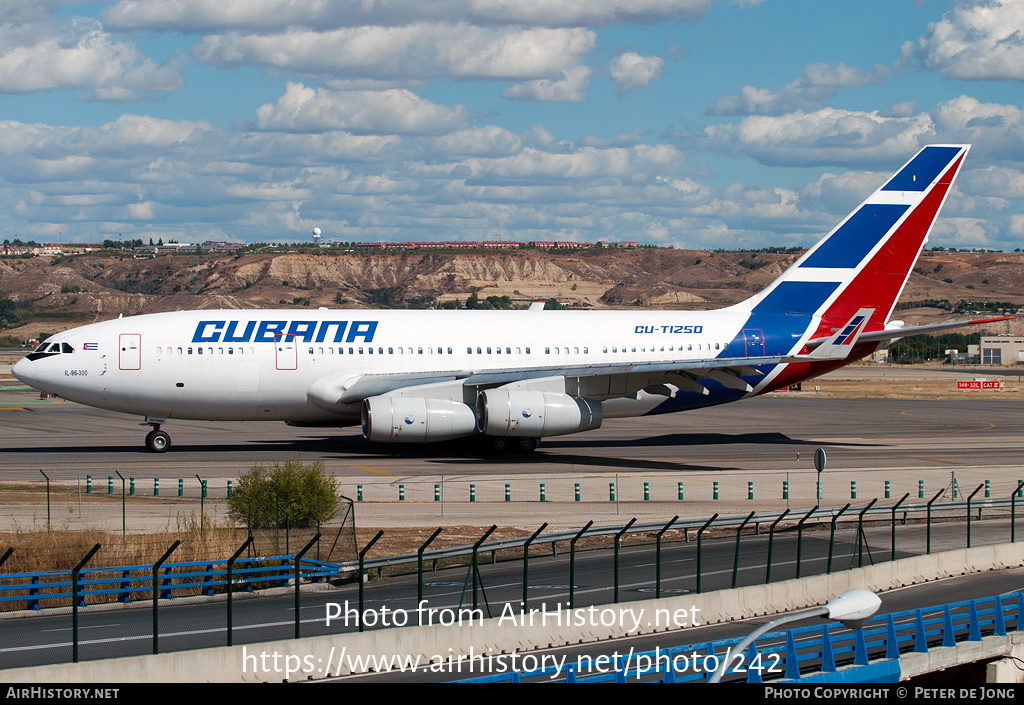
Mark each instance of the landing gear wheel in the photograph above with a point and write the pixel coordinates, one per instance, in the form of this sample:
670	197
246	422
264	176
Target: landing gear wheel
500	445
158	441
527	445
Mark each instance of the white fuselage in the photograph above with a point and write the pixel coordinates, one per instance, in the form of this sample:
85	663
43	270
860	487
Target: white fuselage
245	365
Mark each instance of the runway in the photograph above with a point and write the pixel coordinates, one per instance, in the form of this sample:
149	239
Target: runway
766	441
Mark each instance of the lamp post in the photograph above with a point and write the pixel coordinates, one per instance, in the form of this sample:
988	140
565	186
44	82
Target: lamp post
852	608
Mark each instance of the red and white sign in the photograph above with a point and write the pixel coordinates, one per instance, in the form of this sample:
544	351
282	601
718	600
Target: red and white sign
977	384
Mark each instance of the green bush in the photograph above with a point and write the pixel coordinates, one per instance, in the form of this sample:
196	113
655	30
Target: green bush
305	492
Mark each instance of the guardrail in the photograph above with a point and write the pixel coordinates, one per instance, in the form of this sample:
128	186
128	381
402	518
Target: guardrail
807	653
194	577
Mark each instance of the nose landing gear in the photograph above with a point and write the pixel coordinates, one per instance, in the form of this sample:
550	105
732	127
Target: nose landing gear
157	441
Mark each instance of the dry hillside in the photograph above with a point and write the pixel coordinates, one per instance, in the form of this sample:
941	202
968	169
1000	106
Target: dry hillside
68	291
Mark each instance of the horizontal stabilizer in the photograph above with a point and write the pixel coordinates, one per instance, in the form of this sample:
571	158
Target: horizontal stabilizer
839	345
897	333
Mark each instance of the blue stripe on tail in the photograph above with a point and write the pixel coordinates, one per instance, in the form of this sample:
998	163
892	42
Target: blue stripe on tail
922	169
848	245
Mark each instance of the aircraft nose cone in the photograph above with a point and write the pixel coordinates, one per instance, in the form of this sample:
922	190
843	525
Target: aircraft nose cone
23	371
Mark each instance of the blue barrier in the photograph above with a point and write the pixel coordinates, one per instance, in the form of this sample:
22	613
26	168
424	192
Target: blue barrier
123	582
827	653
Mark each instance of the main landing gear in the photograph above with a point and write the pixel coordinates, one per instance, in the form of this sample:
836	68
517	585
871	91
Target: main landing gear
513	445
157	441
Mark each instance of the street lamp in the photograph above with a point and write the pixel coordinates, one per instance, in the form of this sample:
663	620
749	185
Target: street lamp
852	609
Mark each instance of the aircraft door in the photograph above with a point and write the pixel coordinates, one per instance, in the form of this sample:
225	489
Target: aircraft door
130	353
753	339
286	351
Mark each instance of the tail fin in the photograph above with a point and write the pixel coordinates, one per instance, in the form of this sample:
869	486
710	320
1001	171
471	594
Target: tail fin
866	260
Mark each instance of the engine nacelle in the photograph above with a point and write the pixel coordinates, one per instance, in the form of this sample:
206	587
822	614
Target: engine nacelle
394	419
517	413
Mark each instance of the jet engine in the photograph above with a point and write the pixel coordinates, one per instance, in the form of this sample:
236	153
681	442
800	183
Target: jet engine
395	419
532	414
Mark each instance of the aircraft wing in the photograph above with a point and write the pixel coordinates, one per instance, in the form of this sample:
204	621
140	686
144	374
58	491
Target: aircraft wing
338	389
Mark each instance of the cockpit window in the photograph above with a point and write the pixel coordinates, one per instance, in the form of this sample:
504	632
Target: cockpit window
48	349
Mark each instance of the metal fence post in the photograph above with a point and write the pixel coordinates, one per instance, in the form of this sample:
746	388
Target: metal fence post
572	563
800	538
156	596
736	557
231	565
1013	512
419	565
526	560
362	556
298	560
771	541
861	537
618	538
832	537
928	528
657	559
892	554
74	601
700	535
969	513
476	553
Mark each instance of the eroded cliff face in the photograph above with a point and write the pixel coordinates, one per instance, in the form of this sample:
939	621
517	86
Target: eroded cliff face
70	291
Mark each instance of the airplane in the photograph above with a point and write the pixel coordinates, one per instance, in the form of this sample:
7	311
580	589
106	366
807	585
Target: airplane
512	377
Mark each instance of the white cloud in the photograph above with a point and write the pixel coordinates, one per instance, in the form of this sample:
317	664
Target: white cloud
995	181
630	71
395	111
826	136
17	11
979	40
571	88
198	15
78	54
408	53
818	83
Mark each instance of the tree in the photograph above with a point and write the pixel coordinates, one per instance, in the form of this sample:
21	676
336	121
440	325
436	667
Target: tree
306	493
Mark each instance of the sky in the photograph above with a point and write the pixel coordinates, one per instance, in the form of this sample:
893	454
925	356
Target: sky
685	123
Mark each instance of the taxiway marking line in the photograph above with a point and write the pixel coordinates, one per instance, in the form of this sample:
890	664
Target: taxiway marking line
376	471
